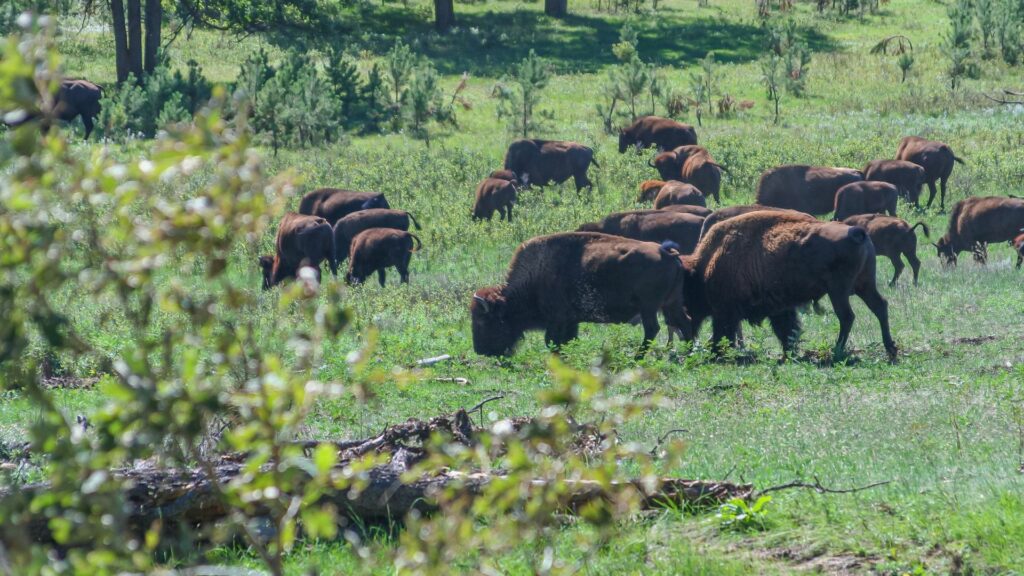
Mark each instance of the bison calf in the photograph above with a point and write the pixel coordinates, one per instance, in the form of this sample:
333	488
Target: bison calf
376	249
651	226
935	157
494	194
892	237
1018	247
664	133
649	190
556	282
301	241
906	176
865	198
333	204
675	193
977	221
350	226
810	189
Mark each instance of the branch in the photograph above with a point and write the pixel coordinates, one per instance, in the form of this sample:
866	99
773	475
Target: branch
664	437
1003	100
818	487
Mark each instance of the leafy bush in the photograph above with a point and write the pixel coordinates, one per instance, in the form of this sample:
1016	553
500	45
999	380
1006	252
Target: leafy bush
737	514
634	84
142	107
518	96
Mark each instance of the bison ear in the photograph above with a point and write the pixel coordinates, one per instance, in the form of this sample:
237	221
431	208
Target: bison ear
483	303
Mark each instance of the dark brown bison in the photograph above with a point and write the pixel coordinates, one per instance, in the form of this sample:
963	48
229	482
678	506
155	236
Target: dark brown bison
670	164
556	282
865	197
674	193
893	238
664	133
494	194
302	240
334	204
699	211
977	221
74	98
701	170
906	176
655	226
935	157
376	249
723	214
810	189
346	229
1018	247
542	162
649	190
506	175
763	265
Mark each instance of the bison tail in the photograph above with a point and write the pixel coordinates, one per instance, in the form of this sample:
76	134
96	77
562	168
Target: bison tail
959	160
924	228
414	222
419	244
593	159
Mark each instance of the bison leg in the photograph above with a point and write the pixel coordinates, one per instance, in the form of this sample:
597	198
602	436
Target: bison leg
649	318
786	326
558	334
87	122
581	180
509	209
880	308
1020	259
381	276
841	305
403	268
915	264
501	213
898	265
942	197
724	326
931	193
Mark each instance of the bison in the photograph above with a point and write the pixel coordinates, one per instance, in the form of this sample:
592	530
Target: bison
542	162
302	240
376	249
664	133
649	190
334	204
906	176
865	197
723	214
701	171
670	164
346	229
556	282
494	194
892	237
675	193
651	226
979	220
935	157
810	189
1018	247
764	264
699	211
74	98
506	175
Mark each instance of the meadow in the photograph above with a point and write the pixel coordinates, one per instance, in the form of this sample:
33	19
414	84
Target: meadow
944	425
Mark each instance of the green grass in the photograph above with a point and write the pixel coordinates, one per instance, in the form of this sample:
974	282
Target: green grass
943	425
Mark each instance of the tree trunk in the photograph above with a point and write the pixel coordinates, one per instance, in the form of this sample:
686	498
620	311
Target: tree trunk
154	18
556	8
120	39
135	37
444	14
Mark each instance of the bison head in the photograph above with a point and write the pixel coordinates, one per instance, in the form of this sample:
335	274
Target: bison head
590	227
624	142
668	166
267	266
493	334
945	251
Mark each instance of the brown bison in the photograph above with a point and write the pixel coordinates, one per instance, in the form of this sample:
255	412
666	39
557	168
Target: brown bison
376	249
906	176
655	226
302	240
865	197
977	221
675	193
701	170
649	190
723	214
334	204
699	211
74	98
346	229
935	157
664	133
810	189
1018	247
506	175
556	282
494	194
670	164
763	265
892	237
542	162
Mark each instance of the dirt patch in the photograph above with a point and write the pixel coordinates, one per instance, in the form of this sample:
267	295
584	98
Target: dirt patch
816	560
69	383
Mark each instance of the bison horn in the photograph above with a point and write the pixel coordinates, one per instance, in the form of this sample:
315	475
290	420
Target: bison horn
483	302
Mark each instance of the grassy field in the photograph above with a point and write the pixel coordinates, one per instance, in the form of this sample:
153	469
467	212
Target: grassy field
945	425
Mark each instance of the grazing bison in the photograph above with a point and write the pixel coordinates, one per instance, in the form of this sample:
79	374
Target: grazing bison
664	133
935	157
763	265
652	226
376	249
302	240
892	237
675	193
865	197
346	229
977	221
556	282
699	211
1018	247
670	164
74	98
810	189
723	214
649	190
494	194
701	170
541	162
506	175
334	204
906	176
